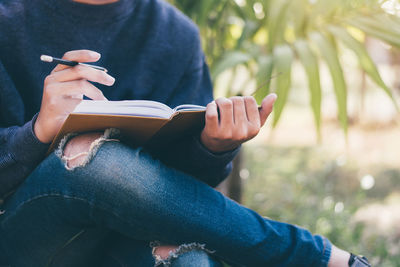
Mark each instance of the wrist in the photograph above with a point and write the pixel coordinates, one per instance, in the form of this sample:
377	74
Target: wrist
217	146
40	133
339	258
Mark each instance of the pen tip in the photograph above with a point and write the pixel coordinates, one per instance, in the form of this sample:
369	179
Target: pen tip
46	58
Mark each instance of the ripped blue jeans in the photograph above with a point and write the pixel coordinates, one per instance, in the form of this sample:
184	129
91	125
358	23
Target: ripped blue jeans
107	212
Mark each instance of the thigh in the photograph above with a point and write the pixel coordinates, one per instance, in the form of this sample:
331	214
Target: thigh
120	189
53	246
31	236
46	224
53	218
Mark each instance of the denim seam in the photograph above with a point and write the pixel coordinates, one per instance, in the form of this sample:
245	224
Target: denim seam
36	198
63	196
54	195
91	204
65	245
121	264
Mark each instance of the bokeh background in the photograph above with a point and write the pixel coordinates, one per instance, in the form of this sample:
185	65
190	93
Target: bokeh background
329	158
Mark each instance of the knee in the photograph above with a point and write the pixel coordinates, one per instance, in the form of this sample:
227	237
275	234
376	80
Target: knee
163	252
193	254
104	166
102	161
77	149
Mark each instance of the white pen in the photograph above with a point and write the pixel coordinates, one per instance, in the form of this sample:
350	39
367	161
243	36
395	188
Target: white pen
51	59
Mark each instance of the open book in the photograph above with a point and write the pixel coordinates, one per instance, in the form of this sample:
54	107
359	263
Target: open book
142	122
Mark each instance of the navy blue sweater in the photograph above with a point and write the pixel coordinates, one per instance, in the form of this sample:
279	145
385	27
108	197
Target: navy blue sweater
151	49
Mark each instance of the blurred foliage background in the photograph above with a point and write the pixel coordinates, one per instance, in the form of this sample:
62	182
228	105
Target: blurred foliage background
332	164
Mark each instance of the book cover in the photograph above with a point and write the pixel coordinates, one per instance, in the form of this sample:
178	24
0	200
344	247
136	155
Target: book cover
148	129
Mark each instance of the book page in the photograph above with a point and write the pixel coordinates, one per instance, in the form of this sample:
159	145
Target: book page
187	107
140	108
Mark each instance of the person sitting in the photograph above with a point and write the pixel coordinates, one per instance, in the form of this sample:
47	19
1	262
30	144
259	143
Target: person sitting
81	206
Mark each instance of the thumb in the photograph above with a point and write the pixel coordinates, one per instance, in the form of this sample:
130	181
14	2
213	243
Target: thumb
266	107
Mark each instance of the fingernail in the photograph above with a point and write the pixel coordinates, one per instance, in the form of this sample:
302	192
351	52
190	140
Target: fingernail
110	79
94	54
274	96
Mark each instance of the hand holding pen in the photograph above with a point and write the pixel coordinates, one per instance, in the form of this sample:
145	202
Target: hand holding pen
64	89
65	62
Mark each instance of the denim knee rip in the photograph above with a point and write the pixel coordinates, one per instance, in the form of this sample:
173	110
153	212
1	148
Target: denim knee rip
182	249
110	135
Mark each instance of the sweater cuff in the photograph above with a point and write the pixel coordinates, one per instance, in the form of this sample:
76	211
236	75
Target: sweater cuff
326	254
25	147
215	159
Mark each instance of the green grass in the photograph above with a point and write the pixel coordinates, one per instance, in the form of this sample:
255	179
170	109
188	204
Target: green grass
310	188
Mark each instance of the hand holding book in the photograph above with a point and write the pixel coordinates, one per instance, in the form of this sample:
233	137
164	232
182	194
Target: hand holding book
224	124
231	122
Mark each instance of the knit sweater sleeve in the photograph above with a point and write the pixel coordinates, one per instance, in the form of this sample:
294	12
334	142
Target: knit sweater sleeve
20	150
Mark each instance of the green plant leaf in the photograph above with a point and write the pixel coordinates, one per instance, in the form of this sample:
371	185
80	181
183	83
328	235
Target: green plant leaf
276	21
264	75
289	21
283	58
249	30
228	61
373	28
311	66
364	59
330	54
389	21
378	21
205	7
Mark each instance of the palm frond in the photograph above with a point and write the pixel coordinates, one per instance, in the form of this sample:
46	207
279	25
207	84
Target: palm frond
289	29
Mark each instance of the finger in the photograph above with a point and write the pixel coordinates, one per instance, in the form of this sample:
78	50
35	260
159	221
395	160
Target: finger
253	115
71	104
79	87
266	107
239	111
82	72
212	117
78	56
225	108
